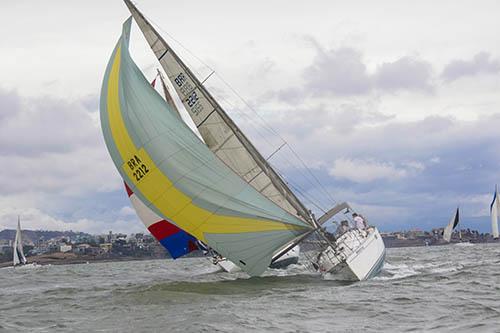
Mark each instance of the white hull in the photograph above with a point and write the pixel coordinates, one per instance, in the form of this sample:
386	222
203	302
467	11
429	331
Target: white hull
360	256
291	257
27	266
228	266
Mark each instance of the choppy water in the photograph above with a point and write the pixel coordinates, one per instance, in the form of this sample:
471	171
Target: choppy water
448	288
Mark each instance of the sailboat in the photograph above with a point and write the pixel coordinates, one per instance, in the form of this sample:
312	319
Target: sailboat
218	188
448	230
17	248
494	209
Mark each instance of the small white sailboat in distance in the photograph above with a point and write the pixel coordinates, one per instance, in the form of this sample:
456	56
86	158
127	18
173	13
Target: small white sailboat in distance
19	258
451	226
494	208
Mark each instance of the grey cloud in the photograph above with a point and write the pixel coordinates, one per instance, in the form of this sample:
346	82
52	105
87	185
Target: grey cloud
90	102
350	115
290	95
55	158
9	104
342	72
404	74
36	126
339	71
481	63
467	152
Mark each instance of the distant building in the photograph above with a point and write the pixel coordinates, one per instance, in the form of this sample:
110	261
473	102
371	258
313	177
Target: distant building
5	245
65	248
106	247
81	248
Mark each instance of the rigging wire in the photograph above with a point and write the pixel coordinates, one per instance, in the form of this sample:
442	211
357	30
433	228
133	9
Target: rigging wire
287	160
243	100
297	188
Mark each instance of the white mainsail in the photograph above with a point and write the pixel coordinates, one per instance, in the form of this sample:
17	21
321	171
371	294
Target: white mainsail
19	257
494	208
451	225
218	130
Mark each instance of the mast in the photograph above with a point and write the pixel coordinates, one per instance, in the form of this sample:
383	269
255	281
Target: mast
218	130
166	92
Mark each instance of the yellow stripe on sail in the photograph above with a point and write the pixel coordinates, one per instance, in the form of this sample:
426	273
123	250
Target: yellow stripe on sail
153	183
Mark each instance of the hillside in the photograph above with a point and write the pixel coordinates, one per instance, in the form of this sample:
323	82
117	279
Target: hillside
34	235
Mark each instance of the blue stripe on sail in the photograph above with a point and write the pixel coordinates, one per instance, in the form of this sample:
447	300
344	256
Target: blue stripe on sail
179	244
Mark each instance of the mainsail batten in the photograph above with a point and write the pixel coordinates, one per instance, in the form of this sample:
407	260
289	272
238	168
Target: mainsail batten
179	178
218	130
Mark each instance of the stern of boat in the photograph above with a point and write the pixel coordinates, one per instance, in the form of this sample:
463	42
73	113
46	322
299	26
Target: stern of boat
357	255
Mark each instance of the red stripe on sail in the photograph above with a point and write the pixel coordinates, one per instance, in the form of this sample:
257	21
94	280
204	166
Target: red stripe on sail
154	82
129	191
163	229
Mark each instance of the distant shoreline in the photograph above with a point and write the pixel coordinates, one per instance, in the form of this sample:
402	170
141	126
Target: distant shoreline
70	259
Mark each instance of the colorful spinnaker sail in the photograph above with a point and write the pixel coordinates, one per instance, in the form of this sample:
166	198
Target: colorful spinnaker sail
175	174
451	225
175	240
217	129
494	208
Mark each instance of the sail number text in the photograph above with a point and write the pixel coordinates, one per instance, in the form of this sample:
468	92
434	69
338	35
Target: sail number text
180	79
192	99
184	86
187	89
138	168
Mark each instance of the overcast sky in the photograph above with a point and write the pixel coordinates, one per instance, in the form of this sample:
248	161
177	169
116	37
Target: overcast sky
394	105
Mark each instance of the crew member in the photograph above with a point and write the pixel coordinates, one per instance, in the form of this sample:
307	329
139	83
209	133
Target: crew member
358	221
342	228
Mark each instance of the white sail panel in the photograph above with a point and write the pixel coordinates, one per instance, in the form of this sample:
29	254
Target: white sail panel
16	255
219	132
19	257
451	225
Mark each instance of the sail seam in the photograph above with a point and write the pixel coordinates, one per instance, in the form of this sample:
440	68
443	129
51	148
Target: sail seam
223	143
166	51
206	118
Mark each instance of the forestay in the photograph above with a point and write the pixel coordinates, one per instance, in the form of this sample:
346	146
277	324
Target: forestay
217	129
175	174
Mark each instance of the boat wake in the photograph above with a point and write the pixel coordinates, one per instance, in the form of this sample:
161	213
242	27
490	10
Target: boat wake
402	271
464	244
393	271
29	266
